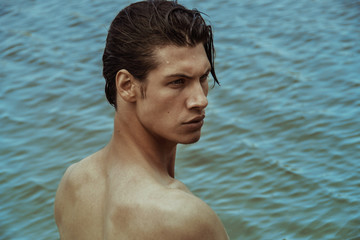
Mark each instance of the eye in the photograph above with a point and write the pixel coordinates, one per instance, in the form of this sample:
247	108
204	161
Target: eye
177	82
204	78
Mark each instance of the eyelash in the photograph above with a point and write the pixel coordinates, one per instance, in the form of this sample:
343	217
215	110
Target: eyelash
178	82
204	78
182	81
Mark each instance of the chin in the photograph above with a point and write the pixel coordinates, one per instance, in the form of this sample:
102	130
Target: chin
190	140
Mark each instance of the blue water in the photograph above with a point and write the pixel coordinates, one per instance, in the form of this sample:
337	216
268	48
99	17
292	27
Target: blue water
280	153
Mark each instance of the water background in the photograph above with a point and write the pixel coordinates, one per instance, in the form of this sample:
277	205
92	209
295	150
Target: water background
280	153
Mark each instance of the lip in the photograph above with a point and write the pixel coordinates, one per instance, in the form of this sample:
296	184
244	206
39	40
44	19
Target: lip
196	120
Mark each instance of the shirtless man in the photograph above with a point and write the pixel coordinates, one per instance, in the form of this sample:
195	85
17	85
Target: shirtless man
156	62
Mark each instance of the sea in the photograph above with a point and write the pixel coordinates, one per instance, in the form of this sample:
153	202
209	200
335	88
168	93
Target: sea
279	156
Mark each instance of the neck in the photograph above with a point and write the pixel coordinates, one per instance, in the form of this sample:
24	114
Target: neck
133	144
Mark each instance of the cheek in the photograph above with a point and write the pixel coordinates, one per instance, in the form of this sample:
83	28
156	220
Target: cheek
161	106
156	109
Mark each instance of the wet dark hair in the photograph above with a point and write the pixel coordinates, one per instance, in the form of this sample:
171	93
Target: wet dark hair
140	28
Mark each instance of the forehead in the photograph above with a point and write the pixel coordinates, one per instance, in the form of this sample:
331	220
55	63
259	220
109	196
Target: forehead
189	60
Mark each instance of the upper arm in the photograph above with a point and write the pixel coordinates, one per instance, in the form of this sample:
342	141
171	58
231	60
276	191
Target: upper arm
190	218
199	221
59	198
64	195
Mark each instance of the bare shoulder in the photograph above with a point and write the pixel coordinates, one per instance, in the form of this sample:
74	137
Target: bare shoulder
195	219
64	192
74	177
76	193
78	178
180	215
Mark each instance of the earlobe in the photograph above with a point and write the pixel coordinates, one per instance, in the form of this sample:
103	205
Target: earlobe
125	85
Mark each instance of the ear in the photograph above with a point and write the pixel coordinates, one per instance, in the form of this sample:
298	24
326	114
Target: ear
125	85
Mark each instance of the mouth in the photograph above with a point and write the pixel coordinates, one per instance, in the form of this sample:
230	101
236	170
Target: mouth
195	123
195	120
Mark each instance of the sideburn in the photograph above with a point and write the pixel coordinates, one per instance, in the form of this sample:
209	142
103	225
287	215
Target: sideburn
143	90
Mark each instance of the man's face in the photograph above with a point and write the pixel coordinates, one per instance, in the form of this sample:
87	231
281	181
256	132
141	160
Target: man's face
176	94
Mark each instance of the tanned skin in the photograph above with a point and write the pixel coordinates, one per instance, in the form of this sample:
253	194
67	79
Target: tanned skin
127	190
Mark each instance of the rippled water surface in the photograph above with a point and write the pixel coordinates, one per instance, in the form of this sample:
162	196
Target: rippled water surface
280	152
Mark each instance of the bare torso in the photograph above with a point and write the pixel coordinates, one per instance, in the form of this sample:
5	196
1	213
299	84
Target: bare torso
95	202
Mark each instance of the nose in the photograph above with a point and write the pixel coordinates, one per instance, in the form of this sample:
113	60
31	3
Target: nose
198	97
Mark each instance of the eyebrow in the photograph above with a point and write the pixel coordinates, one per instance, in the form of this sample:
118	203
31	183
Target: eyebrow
182	75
